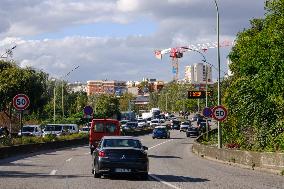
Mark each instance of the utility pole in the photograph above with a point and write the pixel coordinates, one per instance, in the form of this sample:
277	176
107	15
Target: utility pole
62	89
219	75
54	103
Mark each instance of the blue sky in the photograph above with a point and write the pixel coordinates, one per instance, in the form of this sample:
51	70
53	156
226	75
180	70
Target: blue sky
116	39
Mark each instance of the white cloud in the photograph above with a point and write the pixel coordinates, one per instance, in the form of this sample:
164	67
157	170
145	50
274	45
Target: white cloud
127	5
180	22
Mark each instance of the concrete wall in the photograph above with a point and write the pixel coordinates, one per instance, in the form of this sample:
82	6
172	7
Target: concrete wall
30	148
266	160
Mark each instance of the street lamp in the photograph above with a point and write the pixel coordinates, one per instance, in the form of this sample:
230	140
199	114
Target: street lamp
62	88
219	75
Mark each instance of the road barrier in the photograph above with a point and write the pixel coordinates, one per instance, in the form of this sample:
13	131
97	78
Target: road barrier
267	161
9	151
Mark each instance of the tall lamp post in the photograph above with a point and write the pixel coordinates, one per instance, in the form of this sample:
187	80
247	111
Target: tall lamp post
219	75
62	88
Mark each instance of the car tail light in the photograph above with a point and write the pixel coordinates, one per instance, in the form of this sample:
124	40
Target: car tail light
102	154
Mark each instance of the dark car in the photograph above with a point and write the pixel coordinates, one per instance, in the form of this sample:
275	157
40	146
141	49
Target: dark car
161	132
120	155
193	131
132	125
175	124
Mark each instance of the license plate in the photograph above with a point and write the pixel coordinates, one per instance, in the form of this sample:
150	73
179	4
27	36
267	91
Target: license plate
118	170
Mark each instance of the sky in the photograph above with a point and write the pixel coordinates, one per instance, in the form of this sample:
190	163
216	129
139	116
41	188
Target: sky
116	39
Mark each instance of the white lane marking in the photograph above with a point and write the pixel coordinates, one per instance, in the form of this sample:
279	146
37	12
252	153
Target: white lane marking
160	144
53	172
67	160
162	181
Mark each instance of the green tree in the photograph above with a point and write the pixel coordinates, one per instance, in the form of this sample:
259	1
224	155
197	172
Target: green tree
105	105
125	101
15	80
255	96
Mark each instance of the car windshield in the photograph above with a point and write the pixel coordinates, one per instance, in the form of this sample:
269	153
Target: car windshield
28	129
53	128
85	129
141	121
121	143
123	122
159	129
155	121
185	123
131	124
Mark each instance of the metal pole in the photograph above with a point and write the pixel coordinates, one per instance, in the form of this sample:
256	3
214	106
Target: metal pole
54	103
21	124
206	99
166	102
62	98
219	76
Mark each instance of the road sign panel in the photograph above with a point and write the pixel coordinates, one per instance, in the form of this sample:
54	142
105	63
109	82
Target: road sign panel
219	113
207	112
199	94
21	102
88	110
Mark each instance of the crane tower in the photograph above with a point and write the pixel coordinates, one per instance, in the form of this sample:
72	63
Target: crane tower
177	53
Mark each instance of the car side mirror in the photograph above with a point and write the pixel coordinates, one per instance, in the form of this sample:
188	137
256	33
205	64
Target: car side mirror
145	147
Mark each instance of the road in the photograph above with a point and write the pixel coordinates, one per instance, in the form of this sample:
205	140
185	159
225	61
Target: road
172	165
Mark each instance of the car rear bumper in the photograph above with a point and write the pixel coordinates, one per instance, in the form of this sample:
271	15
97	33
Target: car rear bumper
109	167
195	133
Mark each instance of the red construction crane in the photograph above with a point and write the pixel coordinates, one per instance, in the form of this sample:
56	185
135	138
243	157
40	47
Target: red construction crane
177	52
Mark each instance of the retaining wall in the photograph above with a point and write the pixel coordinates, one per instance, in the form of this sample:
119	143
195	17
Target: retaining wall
266	160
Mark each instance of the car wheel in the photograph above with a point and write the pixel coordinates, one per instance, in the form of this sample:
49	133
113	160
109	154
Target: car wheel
153	137
96	174
144	176
187	135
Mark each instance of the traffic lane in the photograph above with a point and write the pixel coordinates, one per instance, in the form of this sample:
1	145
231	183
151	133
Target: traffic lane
174	163
65	168
36	170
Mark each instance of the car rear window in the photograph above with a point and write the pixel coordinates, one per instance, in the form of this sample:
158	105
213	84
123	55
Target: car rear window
121	143
159	129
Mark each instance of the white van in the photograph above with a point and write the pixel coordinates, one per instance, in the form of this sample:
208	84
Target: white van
60	129
72	128
31	130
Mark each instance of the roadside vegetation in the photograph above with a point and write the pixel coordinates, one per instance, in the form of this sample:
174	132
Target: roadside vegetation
34	140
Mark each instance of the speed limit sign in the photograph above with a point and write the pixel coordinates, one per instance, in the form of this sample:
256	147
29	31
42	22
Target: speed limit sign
219	113
21	101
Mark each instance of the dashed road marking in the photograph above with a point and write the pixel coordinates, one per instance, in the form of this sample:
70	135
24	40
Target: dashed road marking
162	181
68	160
160	144
53	172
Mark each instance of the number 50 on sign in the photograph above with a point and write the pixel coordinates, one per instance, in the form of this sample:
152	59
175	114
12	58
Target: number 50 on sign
219	113
21	101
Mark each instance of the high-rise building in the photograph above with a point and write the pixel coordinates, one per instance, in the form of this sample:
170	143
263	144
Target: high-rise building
196	74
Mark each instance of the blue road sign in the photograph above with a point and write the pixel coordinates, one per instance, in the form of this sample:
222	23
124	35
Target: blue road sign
207	112
88	110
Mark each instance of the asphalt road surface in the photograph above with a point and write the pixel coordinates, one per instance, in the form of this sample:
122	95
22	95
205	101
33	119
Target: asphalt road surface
172	165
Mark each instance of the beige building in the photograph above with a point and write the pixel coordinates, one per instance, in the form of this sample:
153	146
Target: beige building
196	74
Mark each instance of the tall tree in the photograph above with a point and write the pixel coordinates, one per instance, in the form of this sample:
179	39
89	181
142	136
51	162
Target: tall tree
255	97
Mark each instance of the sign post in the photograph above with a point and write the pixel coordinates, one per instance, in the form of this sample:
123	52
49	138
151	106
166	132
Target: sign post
207	112
21	102
88	112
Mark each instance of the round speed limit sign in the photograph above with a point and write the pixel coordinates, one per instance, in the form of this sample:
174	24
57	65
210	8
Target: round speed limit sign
21	101
219	113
